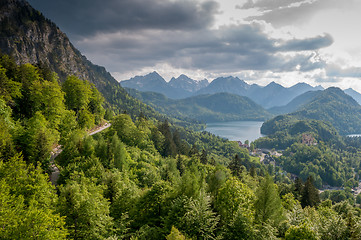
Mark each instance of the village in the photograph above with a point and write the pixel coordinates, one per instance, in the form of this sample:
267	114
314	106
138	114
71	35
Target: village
268	157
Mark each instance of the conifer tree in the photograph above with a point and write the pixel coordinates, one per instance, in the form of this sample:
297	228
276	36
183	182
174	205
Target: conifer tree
180	165
236	166
310	196
204	158
169	148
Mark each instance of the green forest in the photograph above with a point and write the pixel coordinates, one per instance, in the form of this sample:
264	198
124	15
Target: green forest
205	108
150	178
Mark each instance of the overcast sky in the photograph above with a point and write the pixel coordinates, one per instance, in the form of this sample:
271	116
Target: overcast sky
260	41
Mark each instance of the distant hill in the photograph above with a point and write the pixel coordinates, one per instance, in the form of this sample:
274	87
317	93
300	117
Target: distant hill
29	37
284	130
275	94
334	106
207	108
295	104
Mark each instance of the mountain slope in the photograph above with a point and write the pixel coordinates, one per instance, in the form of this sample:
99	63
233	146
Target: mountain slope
355	95
274	94
334	106
29	37
207	108
296	103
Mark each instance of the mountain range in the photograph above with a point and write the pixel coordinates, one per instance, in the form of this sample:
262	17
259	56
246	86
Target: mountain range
268	96
273	96
176	88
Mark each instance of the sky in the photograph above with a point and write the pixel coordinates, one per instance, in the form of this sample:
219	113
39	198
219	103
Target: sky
259	41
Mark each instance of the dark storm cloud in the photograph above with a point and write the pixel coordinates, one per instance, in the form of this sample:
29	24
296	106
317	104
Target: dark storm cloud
86	18
231	48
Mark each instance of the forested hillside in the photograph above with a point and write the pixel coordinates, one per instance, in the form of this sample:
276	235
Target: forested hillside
336	107
331	105
313	148
206	108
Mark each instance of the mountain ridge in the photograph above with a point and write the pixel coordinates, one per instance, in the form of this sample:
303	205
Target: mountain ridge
267	96
207	108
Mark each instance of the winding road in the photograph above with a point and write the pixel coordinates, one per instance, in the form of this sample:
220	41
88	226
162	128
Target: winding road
54	176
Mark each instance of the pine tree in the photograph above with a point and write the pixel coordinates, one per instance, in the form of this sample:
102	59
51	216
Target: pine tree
169	148
310	196
236	166
204	158
180	165
193	151
298	188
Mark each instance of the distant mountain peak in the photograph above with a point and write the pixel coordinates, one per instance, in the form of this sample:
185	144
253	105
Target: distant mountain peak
354	94
186	83
154	73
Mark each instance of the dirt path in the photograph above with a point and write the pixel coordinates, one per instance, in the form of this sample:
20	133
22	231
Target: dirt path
54	176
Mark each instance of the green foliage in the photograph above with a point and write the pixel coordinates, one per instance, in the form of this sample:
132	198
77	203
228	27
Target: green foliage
151	205
268	206
36	140
175	234
207	108
194	217
6	126
240	227
85	209
27	202
9	89
302	232
234	198
85	100
284	130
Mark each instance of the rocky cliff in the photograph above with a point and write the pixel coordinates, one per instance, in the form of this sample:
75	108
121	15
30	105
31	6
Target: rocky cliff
29	37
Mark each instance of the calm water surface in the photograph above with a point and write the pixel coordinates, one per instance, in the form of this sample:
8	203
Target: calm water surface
237	130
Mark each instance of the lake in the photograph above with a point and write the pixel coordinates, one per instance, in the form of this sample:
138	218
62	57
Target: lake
236	130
